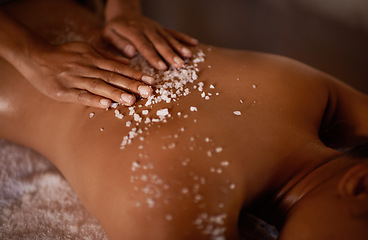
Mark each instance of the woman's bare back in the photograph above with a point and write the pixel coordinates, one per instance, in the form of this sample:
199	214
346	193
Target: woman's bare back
190	172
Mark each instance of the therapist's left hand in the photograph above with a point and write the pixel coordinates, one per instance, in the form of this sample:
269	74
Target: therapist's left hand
130	33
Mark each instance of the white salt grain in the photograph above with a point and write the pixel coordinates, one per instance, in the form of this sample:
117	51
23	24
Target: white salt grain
91	115
218	149
193	109
162	112
238	113
145	112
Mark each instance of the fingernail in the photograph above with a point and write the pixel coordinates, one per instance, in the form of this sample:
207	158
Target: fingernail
162	65
129	50
127	98
145	91
148	79
194	41
186	52
105	102
178	61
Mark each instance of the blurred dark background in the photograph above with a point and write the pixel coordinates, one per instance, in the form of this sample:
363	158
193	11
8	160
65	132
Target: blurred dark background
331	35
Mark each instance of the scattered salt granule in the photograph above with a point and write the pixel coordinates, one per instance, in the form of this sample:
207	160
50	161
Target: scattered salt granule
225	163
131	110
150	202
209	153
128	123
185	191
137	118
162	112
254	86
118	114
170	85
241	101
114	105
218	149
101	129
91	115
238	113
212	87
193	109
232	186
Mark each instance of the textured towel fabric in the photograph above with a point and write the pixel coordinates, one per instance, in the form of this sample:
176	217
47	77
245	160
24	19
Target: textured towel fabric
36	202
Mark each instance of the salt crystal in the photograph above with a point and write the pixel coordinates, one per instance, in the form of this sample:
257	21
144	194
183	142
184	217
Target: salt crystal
211	86
218	149
137	118
232	186
209	153
254	86
238	113
91	115
114	105
128	123
225	163
145	112
207	98
162	112
185	191
241	101
193	109
118	114
150	202
101	129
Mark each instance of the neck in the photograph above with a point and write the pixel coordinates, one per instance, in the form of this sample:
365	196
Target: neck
317	164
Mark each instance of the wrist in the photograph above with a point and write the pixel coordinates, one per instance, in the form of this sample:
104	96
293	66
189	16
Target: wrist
119	8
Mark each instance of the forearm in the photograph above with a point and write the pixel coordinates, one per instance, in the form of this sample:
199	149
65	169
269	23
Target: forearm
15	40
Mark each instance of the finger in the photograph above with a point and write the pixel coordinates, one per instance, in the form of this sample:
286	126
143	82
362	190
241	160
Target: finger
101	88
119	42
182	37
114	86
142	44
164	49
109	54
123	70
175	44
86	98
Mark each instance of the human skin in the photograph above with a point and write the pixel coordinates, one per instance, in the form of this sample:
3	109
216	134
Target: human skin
276	158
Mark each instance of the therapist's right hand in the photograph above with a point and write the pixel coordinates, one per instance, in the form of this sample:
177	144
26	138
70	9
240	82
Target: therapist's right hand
76	72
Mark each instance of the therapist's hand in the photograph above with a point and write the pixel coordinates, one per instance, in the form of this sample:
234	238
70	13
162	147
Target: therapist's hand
129	31
76	72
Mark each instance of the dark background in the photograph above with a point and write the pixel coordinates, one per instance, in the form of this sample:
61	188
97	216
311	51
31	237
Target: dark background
331	35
